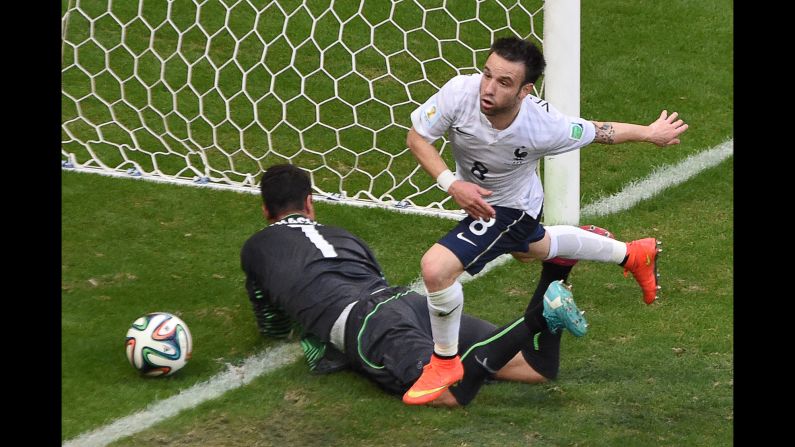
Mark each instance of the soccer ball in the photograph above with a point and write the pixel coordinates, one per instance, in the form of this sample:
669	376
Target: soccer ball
159	344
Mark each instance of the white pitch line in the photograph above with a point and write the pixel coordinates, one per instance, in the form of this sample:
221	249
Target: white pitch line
659	180
230	379
279	356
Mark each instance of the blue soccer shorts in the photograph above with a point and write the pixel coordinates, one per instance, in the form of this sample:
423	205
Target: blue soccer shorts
476	242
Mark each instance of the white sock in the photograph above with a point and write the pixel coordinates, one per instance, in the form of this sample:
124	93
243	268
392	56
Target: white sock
573	242
448	302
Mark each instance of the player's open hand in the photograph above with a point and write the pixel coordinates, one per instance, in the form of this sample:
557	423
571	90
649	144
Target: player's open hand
666	130
469	197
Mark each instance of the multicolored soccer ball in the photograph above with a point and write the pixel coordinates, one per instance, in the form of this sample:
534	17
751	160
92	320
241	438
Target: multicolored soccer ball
159	344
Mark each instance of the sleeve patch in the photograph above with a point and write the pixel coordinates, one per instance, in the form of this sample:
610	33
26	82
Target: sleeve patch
575	131
430	114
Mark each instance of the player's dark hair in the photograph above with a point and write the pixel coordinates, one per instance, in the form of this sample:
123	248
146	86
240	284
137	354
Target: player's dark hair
284	187
515	49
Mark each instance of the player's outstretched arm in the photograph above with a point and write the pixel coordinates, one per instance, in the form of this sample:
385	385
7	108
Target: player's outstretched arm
663	132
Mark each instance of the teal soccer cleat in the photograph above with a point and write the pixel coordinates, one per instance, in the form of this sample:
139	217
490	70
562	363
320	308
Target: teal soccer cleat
561	311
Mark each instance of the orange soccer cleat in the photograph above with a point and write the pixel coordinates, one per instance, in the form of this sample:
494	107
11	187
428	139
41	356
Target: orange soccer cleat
642	262
436	377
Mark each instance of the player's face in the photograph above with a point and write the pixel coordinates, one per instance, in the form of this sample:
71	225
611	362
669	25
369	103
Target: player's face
501	86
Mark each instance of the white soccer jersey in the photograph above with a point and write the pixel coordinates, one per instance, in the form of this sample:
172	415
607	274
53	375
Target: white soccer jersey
503	161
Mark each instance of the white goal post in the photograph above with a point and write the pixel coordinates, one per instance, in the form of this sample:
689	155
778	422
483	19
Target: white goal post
210	92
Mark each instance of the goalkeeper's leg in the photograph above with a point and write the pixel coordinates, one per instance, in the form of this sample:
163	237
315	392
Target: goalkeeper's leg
496	356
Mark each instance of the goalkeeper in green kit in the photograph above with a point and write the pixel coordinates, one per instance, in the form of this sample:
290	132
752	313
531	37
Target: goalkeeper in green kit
328	282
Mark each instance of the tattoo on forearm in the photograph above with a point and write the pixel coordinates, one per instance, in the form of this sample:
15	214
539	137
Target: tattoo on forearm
605	133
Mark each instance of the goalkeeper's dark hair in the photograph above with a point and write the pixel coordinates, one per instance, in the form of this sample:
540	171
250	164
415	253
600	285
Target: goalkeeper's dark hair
284	187
515	49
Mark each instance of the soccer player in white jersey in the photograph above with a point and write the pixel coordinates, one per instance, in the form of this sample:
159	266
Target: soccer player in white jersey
498	131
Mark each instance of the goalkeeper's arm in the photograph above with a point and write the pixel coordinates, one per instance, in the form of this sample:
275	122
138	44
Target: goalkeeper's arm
272	321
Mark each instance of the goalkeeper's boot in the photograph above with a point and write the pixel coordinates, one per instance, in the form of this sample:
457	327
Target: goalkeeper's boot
565	262
436	377
642	262
561	311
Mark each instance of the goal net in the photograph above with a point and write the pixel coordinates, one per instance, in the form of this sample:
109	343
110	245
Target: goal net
214	91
